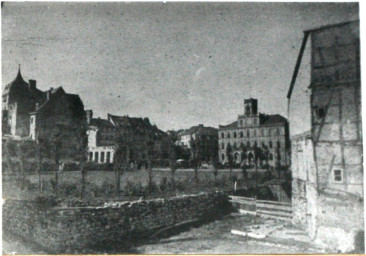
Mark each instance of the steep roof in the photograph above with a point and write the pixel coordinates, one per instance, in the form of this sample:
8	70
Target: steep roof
196	129
99	122
274	119
134	122
17	81
232	125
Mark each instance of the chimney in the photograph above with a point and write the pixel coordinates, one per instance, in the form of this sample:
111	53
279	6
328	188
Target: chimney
32	84
49	93
89	116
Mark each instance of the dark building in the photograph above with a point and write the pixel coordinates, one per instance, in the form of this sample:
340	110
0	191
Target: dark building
62	115
19	98
204	139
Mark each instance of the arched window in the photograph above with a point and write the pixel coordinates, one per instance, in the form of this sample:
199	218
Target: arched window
278	144
248	133
102	157
222	145
222	135
96	157
228	134
241	135
270	144
234	134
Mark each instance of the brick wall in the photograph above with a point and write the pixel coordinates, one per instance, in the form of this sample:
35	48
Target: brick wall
77	229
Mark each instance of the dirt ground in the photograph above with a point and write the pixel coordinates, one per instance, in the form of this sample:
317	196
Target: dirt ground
211	238
216	238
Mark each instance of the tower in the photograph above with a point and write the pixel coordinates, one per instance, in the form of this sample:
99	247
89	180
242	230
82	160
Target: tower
250	107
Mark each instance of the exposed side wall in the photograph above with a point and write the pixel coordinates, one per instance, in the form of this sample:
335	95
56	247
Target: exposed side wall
77	229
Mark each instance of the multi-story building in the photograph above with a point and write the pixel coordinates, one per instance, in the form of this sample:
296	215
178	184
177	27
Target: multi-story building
61	118
105	135
101	139
267	132
327	187
205	139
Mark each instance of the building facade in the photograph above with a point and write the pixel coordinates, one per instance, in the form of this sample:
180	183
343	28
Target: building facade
101	139
327	162
60	119
204	138
253	130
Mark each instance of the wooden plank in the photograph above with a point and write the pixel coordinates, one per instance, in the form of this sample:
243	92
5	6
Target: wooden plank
281	214
276	207
274	202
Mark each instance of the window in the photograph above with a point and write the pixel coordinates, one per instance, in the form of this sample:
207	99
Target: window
241	135
319	112
109	157
223	157
32	120
278	144
234	144
262	131
228	134
234	134
248	133
90	156
96	157
102	157
255	133
270	144
222	135
241	122
270	156
222	145
278	131
248	144
255	143
338	176
263	144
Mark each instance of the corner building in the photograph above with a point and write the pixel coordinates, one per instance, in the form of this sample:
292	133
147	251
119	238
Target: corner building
255	129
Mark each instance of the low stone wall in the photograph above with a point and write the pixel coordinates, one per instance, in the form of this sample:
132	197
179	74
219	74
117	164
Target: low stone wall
77	229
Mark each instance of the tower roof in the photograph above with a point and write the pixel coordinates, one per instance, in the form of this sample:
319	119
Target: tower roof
18	80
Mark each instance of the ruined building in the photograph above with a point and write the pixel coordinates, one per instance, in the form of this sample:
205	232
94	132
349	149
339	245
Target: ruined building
270	133
327	188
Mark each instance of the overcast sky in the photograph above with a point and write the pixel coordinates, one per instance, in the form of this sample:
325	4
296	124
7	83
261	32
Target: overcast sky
180	64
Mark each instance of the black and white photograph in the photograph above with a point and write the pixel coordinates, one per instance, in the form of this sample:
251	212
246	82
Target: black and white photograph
181	128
